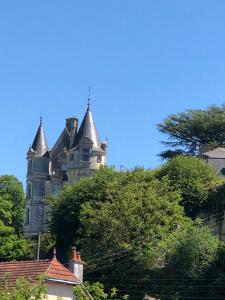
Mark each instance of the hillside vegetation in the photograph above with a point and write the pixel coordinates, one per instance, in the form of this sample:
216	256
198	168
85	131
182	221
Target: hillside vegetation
138	231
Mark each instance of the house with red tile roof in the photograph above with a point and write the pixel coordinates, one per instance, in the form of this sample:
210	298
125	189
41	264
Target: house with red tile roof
59	280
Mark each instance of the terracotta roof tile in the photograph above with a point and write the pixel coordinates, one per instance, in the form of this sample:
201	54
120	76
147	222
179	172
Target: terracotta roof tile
52	269
58	271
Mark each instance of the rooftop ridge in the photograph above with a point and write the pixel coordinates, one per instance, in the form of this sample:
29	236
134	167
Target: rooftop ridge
55	262
25	261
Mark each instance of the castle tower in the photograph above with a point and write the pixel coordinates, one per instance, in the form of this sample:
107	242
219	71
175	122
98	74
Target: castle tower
37	174
87	153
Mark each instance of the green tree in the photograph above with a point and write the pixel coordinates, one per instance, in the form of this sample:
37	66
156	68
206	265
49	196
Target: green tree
189	270
132	231
65	209
136	219
24	289
193	250
194	179
188	130
12	190
6	210
12	245
96	292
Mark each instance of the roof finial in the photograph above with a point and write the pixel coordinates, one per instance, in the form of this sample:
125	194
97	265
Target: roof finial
41	120
54	253
89	98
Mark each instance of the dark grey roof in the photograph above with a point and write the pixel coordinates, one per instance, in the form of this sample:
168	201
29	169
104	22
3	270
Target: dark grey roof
215	153
40	144
88	130
61	144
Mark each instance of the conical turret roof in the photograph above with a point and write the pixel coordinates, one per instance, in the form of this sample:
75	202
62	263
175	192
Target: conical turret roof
88	130
40	146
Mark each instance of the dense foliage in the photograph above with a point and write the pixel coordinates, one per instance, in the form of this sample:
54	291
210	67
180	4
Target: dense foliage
96	291
140	217
12	244
196	180
12	190
192	271
24	290
133	232
188	130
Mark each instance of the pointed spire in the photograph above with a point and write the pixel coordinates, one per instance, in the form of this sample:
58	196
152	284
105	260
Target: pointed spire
88	129
39	145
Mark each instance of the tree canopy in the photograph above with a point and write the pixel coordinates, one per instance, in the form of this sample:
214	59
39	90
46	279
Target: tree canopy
12	244
191	272
97	292
188	130
12	190
196	180
138	218
24	289
65	208
132	229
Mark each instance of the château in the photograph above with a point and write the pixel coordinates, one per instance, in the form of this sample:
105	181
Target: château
77	153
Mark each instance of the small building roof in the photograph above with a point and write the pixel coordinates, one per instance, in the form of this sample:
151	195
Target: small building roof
215	153
52	270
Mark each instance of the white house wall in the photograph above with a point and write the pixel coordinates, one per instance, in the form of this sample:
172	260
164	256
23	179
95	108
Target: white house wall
60	290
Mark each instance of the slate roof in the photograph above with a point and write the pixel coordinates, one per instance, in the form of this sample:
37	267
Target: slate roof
40	146
51	269
88	130
215	153
62	142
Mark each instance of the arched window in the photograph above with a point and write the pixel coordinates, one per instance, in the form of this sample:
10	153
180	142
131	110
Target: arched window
27	216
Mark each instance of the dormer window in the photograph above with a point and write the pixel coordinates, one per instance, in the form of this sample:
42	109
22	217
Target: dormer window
86	154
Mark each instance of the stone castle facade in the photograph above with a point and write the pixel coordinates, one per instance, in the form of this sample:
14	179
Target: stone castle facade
77	153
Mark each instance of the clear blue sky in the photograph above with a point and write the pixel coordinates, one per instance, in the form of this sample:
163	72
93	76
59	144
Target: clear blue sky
142	59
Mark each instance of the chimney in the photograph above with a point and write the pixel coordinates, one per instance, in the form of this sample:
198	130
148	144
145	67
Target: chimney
72	125
76	265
